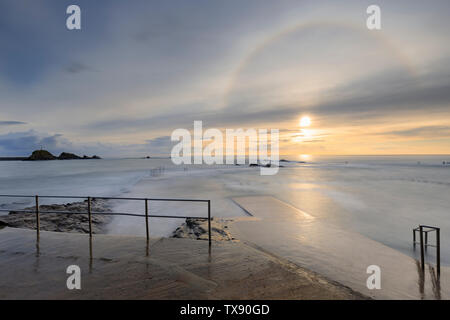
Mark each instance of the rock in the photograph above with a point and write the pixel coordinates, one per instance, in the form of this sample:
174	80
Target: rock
62	222
93	157
268	165
41	155
198	229
45	155
68	156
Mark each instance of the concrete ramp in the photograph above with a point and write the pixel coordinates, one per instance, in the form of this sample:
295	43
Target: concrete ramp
124	267
344	256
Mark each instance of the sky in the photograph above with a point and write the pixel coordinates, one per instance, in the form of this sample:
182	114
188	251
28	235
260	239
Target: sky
139	69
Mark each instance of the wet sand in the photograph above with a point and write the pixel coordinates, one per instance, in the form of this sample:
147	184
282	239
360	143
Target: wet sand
119	267
344	256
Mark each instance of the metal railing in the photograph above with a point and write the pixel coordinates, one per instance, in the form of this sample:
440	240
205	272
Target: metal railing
89	212
424	230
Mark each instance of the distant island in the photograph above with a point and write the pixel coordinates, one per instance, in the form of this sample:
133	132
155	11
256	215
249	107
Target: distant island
38	155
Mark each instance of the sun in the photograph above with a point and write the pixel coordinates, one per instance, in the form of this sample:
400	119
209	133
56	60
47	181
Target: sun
305	122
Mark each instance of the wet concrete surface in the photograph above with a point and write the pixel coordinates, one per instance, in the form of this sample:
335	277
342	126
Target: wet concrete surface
122	267
337	254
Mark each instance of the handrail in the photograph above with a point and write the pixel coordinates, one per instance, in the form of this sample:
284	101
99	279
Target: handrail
108	214
423	246
104	198
146	214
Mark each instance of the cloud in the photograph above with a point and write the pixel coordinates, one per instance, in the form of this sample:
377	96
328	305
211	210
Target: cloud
164	65
383	95
434	132
159	142
77	67
389	93
23	143
11	123
159	146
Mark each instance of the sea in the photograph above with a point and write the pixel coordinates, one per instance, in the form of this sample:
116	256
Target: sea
380	197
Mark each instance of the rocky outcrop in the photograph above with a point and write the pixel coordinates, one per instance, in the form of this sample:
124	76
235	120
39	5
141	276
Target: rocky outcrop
41	155
38	155
93	157
68	156
268	165
198	229
62	222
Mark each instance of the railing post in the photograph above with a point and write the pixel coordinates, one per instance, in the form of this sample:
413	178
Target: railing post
146	219
37	214
90	216
209	222
422	257
91	258
414	238
438	251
